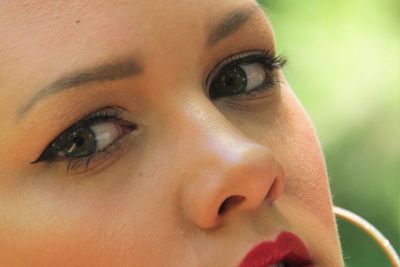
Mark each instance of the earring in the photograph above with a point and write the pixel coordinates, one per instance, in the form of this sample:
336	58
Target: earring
370	230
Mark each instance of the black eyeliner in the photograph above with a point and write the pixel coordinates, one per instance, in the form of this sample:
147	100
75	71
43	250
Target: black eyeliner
109	113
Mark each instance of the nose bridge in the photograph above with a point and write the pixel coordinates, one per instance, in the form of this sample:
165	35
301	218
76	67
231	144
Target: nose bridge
210	136
207	124
227	171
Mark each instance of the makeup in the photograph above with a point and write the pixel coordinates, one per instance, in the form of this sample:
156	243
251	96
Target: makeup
95	134
287	250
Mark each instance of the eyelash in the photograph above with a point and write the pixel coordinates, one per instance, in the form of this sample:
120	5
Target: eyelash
107	114
113	114
266	58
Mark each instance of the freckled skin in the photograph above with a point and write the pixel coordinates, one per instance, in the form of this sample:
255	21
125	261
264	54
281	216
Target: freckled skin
156	201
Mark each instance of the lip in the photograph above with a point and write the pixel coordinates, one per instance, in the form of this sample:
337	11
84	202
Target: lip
287	248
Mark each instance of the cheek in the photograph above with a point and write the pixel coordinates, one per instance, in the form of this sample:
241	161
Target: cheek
48	224
303	161
42	230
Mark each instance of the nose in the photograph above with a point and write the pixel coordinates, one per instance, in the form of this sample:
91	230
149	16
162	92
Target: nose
232	175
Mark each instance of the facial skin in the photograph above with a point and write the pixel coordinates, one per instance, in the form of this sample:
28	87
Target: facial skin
156	200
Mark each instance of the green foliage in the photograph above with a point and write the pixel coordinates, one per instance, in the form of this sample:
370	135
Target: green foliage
344	64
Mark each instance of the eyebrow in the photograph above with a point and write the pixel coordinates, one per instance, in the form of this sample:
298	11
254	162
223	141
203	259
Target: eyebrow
118	69
231	23
222	29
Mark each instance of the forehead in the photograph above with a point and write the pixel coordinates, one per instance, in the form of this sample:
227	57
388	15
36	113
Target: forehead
68	28
75	17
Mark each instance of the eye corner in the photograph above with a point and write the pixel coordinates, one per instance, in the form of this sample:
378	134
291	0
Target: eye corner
47	155
280	61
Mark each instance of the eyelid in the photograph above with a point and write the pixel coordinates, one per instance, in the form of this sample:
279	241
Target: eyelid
105	112
241	58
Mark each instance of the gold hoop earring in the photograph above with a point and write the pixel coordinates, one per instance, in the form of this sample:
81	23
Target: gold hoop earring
369	229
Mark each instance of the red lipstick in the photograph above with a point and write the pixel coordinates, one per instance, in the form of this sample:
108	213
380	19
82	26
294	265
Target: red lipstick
287	250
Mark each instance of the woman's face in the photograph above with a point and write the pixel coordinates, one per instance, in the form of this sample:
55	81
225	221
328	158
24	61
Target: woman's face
140	133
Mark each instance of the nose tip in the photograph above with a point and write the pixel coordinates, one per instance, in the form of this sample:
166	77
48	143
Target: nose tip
238	180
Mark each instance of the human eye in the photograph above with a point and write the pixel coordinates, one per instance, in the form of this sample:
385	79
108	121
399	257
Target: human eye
245	75
82	143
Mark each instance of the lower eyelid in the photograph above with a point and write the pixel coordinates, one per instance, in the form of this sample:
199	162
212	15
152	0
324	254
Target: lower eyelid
97	161
264	103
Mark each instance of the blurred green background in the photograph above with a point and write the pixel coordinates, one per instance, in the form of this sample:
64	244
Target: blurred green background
344	64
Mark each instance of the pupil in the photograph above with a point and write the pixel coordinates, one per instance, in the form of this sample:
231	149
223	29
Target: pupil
79	141
231	81
228	80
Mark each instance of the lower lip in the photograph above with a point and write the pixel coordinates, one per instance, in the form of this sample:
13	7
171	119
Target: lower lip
288	249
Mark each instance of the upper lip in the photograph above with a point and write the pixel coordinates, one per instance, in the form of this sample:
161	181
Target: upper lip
287	248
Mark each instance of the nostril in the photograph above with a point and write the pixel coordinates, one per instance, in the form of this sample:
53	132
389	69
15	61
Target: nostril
229	203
